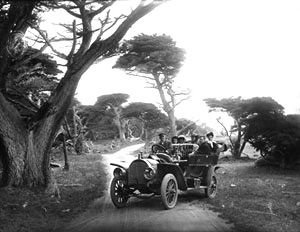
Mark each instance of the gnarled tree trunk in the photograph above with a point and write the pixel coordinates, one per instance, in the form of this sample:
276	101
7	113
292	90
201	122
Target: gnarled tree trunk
25	145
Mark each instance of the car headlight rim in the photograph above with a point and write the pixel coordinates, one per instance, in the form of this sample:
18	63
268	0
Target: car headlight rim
118	172
149	173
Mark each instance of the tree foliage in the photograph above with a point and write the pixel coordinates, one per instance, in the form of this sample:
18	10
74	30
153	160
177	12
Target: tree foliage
148	114
152	54
185	126
241	110
113	105
31	80
157	59
275	135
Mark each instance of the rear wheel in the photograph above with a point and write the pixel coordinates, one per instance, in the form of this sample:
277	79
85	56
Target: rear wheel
118	193
169	191
211	190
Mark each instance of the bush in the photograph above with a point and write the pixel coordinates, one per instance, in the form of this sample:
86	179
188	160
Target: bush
277	136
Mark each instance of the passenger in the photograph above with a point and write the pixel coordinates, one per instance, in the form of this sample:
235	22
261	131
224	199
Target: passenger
174	140
164	142
201	139
209	146
181	139
194	139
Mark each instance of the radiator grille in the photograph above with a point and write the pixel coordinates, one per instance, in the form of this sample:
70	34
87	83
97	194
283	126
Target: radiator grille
136	172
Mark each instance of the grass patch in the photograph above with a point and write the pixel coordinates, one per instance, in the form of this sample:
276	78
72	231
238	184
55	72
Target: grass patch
259	199
26	210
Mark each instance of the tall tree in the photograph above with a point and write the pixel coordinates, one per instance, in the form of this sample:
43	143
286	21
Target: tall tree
240	110
25	145
158	60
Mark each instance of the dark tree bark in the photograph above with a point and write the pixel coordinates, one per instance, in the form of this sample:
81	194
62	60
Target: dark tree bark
25	145
168	108
67	165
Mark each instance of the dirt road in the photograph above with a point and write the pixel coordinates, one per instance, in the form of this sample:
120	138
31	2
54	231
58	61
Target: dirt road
190	213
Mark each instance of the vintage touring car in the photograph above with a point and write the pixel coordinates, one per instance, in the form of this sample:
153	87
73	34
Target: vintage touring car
159	173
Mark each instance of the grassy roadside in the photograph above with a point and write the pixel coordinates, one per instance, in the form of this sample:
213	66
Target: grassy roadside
26	210
258	199
23	210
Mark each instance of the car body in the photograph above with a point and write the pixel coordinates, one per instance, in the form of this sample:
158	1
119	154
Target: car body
159	173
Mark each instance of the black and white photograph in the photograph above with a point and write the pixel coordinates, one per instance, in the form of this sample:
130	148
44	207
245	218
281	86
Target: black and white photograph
149	116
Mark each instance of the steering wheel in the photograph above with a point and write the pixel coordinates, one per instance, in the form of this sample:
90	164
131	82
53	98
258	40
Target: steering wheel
156	148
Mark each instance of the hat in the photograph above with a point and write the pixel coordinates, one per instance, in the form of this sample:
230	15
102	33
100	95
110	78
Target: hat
194	135
181	137
161	134
210	134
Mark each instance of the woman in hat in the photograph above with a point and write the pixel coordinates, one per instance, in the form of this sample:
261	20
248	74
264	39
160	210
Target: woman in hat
209	146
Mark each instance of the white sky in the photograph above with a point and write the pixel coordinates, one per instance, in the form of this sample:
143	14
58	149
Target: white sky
234	48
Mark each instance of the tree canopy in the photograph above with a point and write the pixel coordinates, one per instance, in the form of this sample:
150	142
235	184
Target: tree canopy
241	110
148	114
275	135
151	54
157	59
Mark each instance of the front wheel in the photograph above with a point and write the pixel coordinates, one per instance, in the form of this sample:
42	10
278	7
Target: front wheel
169	191
118	193
211	190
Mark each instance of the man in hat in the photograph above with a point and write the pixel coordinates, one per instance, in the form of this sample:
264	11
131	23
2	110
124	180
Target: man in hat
164	142
201	139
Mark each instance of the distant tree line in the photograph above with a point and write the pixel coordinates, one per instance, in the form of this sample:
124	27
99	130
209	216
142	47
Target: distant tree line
112	117
261	122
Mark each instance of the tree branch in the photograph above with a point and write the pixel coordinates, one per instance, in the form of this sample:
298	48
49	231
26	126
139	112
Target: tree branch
181	100
137	75
102	31
101	9
226	131
86	30
22	105
45	37
67	9
70	56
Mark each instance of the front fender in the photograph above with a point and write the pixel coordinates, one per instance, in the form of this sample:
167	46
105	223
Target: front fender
217	167
118	165
165	168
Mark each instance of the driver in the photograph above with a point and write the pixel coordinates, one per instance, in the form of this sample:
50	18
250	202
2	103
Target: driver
164	142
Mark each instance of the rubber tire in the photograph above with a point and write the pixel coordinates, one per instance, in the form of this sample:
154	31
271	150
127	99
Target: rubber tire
211	191
118	200
169	182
